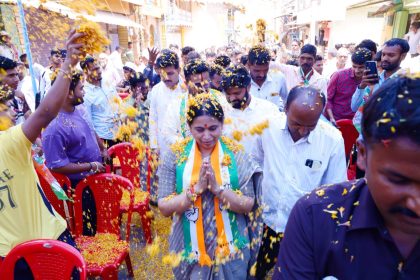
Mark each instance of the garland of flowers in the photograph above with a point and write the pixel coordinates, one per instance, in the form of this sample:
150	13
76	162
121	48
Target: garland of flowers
232	144
178	149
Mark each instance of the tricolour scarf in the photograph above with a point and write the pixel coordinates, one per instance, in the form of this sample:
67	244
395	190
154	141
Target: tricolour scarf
229	238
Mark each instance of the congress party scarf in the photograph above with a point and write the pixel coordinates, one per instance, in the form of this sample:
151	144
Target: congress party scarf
187	173
305	78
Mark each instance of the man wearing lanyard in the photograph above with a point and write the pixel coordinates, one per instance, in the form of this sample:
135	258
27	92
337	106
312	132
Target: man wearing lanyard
98	102
304	74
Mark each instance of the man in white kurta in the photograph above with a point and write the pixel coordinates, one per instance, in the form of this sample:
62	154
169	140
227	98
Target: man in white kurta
248	115
162	96
197	81
265	84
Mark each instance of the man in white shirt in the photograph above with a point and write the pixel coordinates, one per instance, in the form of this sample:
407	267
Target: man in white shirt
56	59
266	85
298	153
247	112
98	101
305	74
197	80
169	89
110	75
116	60
341	63
413	38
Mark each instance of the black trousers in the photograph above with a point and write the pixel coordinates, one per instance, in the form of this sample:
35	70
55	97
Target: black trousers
359	172
268	253
89	210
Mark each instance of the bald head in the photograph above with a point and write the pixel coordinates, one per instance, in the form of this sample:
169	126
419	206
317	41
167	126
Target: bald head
304	106
306	97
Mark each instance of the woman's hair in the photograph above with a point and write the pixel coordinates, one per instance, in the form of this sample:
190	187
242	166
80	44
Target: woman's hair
204	104
393	111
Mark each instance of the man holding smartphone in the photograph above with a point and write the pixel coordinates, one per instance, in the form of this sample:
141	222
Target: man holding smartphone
342	85
393	53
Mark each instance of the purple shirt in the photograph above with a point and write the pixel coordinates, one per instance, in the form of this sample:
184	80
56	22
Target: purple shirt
338	231
340	90
70	138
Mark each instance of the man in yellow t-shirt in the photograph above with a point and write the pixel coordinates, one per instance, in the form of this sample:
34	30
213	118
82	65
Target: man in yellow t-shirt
25	213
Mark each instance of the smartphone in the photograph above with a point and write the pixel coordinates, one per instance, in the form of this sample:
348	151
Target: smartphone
371	67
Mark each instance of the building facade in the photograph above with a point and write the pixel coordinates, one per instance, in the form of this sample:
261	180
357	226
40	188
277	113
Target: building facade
49	23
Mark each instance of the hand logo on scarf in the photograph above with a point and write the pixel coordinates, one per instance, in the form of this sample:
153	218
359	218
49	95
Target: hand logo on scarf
192	214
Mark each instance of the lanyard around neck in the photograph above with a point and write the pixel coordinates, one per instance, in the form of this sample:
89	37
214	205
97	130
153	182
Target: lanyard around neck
305	77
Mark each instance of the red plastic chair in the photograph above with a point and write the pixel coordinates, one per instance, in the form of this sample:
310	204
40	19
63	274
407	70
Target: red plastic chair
59	205
350	135
128	157
123	95
107	190
47	259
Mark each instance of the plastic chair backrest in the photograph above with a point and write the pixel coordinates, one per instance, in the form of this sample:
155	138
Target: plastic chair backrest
128	157
350	134
47	259
107	190
52	198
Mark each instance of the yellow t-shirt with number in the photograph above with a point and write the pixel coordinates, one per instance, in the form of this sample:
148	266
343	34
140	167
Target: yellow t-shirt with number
25	213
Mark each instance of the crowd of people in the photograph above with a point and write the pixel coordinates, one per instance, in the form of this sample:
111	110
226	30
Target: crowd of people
252	166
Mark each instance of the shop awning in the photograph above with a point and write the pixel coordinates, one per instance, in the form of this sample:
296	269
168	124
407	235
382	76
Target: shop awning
100	16
383	9
136	2
113	18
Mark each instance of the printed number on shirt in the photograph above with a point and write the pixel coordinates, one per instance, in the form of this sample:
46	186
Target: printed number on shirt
9	198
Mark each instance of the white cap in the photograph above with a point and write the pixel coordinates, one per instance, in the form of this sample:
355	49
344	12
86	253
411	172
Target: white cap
343	52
